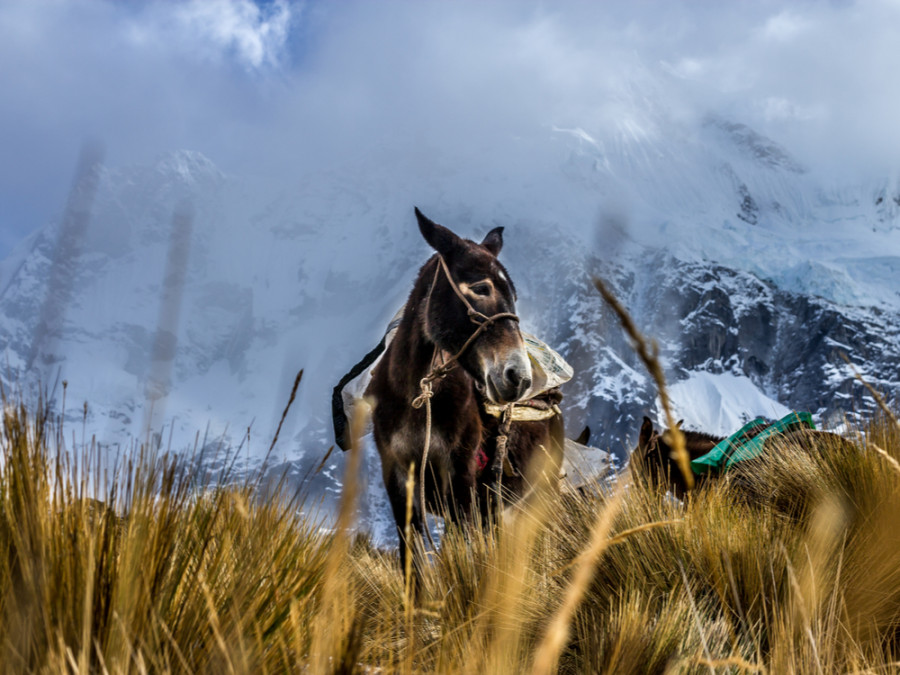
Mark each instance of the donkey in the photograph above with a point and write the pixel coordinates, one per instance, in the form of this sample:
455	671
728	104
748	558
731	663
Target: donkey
652	458
457	346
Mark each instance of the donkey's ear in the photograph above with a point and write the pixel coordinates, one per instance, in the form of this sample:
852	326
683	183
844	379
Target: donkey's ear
438	237
646	433
493	241
678	425
584	436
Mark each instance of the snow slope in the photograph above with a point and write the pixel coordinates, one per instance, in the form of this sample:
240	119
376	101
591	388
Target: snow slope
720	403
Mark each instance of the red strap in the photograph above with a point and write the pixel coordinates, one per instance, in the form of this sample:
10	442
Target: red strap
482	459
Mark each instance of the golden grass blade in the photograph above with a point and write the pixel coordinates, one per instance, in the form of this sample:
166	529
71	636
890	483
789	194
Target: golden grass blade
333	635
407	535
548	651
878	397
618	539
895	465
508	597
732	662
696	616
649	355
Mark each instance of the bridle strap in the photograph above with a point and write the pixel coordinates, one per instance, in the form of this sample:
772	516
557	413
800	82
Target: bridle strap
481	320
474	315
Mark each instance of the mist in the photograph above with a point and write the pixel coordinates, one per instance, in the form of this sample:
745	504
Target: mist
287	88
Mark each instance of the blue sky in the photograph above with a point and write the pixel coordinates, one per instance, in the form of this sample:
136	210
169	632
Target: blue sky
282	87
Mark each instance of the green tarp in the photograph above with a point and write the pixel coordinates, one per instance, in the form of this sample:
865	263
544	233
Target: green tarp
748	441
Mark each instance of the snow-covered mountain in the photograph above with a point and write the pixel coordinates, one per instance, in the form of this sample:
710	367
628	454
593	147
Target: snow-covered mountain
182	300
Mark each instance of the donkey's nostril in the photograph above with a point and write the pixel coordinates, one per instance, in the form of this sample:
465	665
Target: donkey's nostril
516	381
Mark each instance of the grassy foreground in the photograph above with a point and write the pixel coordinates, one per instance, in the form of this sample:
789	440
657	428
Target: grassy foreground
792	567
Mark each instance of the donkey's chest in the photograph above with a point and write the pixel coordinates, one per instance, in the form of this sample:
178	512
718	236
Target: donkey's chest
452	429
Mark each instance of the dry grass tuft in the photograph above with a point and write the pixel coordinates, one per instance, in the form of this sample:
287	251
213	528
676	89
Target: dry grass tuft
789	564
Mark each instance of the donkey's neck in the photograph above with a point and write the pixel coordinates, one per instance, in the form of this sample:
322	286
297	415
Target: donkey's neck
414	350
699	443
417	354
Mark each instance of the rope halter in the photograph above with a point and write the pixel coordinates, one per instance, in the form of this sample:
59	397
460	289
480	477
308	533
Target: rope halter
481	320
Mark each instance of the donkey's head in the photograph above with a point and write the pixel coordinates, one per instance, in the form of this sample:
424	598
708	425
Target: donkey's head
653	460
496	359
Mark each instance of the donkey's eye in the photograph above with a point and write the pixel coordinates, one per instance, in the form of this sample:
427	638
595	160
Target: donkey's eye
481	288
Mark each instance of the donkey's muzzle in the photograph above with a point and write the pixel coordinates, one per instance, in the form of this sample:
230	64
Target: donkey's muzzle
517	381
509	382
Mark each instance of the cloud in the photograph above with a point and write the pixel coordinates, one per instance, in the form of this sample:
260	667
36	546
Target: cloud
785	26
143	79
287	87
215	29
777	109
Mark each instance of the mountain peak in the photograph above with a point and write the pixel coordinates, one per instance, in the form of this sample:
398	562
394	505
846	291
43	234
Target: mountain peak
754	145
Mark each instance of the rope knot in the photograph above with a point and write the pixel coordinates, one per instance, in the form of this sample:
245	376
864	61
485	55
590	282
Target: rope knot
425	394
501	458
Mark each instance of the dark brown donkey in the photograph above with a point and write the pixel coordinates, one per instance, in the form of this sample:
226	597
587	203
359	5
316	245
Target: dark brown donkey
652	459
458	344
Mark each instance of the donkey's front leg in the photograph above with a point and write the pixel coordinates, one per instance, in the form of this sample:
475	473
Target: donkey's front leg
460	509
407	515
